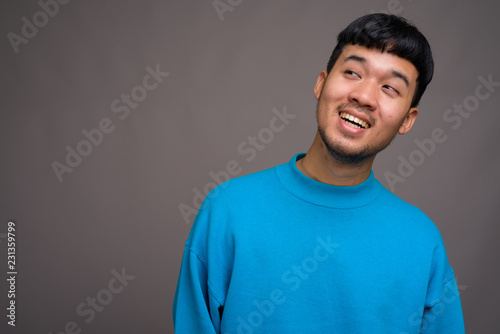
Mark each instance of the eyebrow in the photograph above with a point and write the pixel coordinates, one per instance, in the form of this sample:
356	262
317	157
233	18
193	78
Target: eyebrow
355	58
394	72
401	76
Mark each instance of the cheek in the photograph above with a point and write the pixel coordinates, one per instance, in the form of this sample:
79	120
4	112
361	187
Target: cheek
335	91
331	97
326	113
392	118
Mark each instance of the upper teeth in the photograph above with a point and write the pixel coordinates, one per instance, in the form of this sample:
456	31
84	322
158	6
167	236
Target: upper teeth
354	119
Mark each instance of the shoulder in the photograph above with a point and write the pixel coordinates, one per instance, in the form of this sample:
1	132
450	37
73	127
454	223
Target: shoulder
242	188
229	200
409	216
420	232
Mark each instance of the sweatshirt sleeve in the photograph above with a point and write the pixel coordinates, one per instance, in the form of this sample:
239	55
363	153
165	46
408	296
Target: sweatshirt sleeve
444	316
196	310
443	309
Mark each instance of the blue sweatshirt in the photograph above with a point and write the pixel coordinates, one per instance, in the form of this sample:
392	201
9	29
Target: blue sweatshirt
278	252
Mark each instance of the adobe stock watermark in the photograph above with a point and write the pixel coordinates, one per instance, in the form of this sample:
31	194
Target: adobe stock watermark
92	305
122	107
292	278
249	149
223	6
394	7
29	29
450	295
454	118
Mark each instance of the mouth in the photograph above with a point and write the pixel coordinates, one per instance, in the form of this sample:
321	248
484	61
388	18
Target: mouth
354	121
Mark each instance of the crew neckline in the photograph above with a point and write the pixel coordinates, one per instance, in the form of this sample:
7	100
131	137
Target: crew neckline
319	193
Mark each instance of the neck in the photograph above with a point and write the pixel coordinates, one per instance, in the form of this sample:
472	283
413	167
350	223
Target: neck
319	165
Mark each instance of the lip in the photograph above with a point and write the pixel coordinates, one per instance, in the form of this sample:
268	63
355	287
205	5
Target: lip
349	130
356	114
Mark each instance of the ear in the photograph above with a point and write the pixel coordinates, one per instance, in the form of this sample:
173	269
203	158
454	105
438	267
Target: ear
407	124
320	82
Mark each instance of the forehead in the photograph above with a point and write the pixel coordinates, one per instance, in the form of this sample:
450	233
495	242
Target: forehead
375	60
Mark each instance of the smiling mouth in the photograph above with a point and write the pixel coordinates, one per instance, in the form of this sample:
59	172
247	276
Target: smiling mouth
353	121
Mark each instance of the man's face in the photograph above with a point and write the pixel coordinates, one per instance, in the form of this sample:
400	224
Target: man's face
372	88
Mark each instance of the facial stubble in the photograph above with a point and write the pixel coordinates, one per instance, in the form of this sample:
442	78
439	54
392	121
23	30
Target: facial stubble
342	155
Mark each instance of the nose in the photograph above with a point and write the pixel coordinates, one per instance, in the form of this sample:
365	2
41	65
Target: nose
364	94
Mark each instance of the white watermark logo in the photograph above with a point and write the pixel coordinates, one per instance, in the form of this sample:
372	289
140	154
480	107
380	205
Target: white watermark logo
248	148
122	107
89	308
292	278
223	6
454	116
450	295
30	28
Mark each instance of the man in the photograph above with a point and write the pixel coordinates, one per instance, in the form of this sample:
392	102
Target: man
318	245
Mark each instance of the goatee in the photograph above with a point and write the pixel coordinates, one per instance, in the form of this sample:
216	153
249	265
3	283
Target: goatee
340	152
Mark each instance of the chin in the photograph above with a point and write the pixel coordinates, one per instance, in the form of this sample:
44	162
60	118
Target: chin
348	155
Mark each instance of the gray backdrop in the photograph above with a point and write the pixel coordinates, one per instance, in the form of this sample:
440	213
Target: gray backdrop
116	115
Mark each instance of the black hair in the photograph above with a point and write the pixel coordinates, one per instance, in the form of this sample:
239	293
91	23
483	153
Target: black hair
392	34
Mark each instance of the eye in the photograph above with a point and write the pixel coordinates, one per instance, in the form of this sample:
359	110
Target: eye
391	89
351	73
